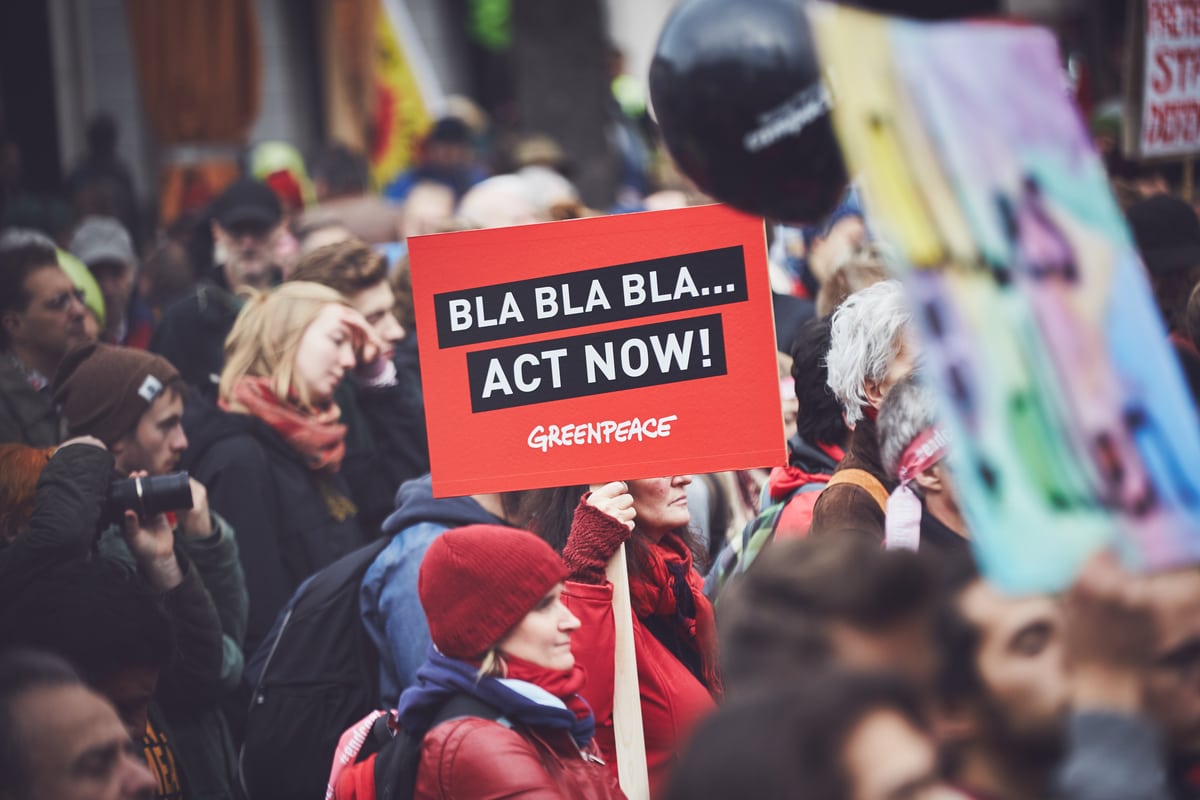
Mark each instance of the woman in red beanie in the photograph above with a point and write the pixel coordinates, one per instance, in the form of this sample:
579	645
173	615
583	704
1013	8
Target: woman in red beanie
501	651
674	632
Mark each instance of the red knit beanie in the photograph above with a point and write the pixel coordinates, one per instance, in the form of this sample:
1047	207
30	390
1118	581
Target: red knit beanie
478	582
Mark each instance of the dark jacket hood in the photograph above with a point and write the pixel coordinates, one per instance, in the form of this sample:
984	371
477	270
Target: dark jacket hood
813	458
192	332
415	504
206	425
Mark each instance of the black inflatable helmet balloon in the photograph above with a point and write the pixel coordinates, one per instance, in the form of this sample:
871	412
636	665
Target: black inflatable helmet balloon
932	10
737	91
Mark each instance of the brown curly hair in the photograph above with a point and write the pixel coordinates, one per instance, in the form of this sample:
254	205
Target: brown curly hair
348	267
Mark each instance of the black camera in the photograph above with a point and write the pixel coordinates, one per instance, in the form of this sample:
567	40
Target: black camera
150	495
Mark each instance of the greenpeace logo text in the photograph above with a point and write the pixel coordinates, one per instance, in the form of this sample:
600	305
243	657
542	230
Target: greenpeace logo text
577	434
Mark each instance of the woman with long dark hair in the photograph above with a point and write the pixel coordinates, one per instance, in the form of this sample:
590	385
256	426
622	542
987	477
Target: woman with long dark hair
674	633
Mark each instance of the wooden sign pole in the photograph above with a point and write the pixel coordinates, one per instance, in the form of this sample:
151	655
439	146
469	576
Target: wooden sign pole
627	701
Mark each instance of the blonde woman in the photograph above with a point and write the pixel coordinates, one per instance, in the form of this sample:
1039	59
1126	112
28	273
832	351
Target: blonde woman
271	464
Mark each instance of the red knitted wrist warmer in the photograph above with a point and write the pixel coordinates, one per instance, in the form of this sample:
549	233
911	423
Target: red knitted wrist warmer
595	537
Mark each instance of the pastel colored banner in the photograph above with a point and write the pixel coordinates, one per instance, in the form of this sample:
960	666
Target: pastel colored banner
1072	426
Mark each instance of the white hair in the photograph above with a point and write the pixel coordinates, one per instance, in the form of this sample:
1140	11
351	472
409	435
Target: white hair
868	331
497	202
547	189
909	409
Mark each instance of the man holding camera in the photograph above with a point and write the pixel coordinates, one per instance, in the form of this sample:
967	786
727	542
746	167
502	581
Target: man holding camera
132	401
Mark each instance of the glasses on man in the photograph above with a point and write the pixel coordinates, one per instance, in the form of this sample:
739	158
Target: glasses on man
62	300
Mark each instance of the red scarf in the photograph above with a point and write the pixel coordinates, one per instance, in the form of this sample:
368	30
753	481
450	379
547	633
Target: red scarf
563	684
316	435
657	590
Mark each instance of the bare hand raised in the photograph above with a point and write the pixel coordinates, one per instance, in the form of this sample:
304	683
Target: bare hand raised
367	344
152	543
615	500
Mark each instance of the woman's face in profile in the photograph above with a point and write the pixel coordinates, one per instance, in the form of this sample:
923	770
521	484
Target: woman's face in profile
543	637
326	351
661	504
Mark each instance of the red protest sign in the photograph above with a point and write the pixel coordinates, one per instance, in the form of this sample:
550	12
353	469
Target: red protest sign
1170	119
609	348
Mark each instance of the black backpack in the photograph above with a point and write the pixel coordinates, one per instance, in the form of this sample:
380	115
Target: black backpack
315	674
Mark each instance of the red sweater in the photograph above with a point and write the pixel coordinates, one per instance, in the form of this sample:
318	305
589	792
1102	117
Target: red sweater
673	701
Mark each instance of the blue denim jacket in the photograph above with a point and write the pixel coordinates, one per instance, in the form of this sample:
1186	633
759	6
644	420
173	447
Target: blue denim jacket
391	608
392	612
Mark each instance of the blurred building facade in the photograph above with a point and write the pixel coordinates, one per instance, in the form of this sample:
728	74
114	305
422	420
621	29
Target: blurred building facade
84	54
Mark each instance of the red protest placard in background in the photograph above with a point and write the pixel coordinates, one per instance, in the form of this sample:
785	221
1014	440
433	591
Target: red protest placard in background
589	350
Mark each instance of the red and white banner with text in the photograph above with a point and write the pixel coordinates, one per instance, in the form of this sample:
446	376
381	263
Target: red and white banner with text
1171	91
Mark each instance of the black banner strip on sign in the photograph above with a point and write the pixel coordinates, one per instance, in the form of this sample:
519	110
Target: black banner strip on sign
597	363
576	299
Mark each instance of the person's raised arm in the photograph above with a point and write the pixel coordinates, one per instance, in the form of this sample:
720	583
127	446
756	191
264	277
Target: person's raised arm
69	498
604	519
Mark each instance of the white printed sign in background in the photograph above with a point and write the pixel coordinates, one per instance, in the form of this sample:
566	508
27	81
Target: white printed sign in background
1171	89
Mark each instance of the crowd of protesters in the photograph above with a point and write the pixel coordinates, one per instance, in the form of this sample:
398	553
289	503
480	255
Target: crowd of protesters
815	629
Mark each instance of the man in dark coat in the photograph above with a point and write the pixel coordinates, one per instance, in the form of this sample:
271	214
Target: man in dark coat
41	317
132	401
246	221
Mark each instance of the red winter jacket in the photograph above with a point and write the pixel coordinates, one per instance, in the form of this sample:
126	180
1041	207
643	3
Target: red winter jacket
673	701
471	758
474	759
